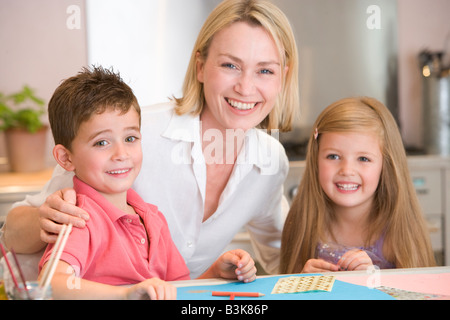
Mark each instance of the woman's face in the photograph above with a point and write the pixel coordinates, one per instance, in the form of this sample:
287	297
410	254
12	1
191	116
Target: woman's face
242	77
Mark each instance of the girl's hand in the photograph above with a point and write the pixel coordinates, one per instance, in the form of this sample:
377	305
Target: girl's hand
60	208
153	289
233	264
319	265
355	259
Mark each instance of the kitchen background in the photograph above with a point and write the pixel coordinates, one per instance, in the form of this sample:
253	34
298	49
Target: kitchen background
346	47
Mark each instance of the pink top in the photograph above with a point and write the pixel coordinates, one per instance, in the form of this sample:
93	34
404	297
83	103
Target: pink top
114	249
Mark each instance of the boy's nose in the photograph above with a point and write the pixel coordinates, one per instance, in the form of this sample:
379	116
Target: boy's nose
120	152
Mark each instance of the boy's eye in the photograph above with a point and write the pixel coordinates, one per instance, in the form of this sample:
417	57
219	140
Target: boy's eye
130	139
101	143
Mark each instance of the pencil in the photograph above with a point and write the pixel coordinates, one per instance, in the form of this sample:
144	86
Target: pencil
236	294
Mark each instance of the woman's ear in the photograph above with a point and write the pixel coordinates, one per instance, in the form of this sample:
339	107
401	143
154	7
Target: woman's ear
199	65
63	156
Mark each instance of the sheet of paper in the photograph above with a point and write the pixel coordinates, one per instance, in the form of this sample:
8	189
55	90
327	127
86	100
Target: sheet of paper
303	284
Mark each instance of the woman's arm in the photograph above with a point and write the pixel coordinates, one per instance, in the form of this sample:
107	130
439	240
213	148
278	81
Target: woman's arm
28	229
22	231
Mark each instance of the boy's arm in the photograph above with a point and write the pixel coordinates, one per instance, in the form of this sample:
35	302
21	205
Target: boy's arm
66	285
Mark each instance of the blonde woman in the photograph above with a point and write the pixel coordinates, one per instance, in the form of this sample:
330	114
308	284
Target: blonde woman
356	205
205	165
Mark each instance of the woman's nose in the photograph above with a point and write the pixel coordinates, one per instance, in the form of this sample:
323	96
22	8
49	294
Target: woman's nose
245	84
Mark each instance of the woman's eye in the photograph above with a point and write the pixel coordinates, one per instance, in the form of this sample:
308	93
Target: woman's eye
229	66
266	71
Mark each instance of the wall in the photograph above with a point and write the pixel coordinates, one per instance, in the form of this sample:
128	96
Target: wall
41	44
422	24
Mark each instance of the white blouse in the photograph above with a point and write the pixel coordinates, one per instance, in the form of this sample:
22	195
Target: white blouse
173	177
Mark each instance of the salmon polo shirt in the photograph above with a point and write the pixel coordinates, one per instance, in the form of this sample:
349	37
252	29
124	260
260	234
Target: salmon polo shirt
114	247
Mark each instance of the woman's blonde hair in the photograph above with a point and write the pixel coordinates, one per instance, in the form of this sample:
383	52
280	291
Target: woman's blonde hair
272	19
396	213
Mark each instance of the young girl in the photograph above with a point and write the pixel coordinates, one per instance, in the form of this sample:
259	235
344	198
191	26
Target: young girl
356	205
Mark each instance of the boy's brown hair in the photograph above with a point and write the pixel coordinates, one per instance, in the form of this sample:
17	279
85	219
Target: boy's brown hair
91	91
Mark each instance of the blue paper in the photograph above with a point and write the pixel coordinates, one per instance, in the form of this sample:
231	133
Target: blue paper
341	291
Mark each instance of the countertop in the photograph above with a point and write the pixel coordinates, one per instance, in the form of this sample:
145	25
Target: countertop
14	182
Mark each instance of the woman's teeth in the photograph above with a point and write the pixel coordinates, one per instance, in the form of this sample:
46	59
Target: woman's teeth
241	105
348	187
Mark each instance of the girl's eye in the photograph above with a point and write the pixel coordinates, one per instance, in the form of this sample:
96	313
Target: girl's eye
333	157
364	159
101	143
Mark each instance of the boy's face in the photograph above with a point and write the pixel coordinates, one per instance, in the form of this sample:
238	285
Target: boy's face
106	152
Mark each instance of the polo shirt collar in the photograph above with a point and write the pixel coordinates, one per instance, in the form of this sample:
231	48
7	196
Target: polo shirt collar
114	213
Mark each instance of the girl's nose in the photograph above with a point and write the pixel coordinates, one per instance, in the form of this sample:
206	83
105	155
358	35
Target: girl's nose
346	168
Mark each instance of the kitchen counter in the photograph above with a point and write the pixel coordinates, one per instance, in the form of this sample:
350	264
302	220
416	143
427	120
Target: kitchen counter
14	186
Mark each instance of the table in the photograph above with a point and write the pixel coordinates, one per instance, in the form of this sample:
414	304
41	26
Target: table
408	284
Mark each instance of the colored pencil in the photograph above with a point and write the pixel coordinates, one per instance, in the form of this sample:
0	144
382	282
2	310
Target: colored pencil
236	294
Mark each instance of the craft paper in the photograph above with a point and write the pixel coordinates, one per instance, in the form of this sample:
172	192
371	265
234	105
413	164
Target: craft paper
303	284
340	291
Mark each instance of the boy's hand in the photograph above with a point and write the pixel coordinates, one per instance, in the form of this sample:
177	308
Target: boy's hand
153	289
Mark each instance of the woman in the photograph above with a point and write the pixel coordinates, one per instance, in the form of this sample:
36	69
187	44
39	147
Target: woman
205	166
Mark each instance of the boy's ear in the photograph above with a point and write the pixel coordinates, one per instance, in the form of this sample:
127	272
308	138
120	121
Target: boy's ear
63	156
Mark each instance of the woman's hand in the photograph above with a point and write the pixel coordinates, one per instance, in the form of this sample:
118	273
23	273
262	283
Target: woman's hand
153	289
319	265
355	259
60	208
233	264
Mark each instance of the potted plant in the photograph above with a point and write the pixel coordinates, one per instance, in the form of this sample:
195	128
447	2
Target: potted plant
25	133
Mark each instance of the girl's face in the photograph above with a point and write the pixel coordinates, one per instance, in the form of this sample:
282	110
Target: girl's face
106	153
242	77
349	168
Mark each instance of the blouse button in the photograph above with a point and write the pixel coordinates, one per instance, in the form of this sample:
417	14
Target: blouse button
142	240
190	244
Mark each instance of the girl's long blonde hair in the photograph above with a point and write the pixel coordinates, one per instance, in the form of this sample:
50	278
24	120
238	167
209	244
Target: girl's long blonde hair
273	20
396	213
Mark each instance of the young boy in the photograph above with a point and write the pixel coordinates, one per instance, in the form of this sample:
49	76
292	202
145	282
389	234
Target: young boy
95	121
